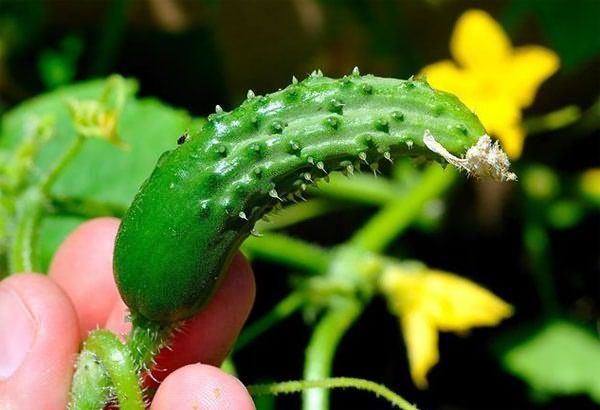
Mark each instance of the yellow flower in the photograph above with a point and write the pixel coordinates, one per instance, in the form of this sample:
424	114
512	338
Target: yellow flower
427	301
494	79
93	120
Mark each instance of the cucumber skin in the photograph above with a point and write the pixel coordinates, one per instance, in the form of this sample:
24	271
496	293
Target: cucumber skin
179	235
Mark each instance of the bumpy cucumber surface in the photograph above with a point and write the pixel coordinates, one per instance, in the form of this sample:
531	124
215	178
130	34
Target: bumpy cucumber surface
203	197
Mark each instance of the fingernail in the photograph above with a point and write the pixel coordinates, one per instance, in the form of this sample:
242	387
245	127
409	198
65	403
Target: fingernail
17	330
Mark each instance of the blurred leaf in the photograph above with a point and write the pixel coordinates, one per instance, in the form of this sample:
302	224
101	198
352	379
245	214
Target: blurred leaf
558	358
101	171
570	27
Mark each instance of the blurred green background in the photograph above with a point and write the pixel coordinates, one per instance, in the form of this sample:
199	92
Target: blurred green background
539	252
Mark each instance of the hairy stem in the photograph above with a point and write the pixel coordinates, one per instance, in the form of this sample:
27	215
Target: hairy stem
397	215
91	385
288	251
290	304
23	255
321	350
53	174
145	341
114	357
297	386
106	367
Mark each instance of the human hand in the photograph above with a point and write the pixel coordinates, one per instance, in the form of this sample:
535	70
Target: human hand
44	319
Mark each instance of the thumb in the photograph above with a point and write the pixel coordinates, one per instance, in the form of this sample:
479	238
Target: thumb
39	335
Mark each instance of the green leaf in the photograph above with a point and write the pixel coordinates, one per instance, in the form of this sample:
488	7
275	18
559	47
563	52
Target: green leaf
558	358
101	171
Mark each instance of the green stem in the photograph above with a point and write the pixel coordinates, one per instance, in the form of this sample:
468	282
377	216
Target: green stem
91	385
397	215
288	251
107	366
115	359
297	386
360	188
145	341
85	207
296	213
53	174
321	349
290	304
538	248
109	43
551	121
23	255
228	366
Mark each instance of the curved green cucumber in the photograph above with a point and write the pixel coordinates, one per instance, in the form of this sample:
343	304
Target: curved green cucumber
203	198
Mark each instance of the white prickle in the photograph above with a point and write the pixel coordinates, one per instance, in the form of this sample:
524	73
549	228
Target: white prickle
250	94
273	194
254	232
242	215
355	71
409	144
363	157
388	156
308	177
294	80
375	168
321	166
350	170
218	109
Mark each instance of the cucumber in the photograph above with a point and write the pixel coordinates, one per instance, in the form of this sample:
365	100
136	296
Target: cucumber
204	197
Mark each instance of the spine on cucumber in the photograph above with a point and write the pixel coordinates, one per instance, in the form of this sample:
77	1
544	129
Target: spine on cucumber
203	198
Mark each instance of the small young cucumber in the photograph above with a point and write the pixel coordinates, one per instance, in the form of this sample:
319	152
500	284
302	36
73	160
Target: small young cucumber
203	198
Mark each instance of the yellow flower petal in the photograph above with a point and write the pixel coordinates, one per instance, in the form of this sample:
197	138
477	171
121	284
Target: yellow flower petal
529	67
478	40
512	138
428	301
447	76
501	118
420	336
493	79
457	304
